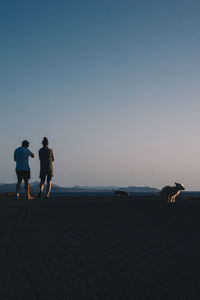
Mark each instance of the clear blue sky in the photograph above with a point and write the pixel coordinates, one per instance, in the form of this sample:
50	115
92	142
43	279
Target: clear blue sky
113	84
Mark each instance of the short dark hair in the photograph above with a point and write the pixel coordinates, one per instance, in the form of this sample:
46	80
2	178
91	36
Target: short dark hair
45	141
25	143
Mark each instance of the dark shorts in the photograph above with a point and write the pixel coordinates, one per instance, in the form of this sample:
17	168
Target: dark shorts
45	174
23	175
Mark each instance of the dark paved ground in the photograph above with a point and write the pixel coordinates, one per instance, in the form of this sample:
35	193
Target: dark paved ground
97	247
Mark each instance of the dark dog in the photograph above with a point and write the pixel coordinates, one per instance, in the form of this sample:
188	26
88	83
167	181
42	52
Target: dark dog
169	193
121	193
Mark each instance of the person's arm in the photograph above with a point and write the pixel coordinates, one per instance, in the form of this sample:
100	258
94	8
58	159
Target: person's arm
31	154
39	152
52	156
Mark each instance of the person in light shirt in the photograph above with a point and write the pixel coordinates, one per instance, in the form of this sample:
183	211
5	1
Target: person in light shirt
21	156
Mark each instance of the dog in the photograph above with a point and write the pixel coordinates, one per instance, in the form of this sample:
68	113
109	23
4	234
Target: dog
121	193
169	193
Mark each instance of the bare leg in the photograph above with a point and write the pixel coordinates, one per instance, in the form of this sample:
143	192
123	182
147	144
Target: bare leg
48	190
41	187
26	187
18	187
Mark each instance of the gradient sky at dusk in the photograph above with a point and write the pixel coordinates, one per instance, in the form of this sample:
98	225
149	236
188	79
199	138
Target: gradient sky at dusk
113	84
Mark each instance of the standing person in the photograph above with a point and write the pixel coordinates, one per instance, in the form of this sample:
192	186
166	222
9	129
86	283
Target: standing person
21	156
46	167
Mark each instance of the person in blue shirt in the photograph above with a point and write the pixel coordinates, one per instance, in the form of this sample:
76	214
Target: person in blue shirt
21	156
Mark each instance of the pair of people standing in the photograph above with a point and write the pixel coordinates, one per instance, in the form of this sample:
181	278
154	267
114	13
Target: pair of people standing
46	156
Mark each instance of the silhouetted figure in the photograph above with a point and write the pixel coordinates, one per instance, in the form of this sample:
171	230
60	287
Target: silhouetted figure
121	193
46	166
21	156
169	193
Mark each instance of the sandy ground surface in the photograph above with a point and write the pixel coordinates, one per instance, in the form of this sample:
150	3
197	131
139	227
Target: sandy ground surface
96	247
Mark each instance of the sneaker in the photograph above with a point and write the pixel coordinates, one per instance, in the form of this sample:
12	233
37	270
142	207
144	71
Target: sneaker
29	197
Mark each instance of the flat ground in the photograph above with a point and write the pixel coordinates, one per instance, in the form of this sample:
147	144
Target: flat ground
87	246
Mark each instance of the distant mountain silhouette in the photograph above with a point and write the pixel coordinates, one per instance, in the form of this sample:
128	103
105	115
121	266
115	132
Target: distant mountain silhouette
34	187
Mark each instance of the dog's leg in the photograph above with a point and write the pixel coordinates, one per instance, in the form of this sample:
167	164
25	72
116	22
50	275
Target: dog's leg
174	199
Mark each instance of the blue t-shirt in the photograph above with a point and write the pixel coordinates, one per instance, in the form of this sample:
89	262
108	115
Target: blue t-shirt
21	157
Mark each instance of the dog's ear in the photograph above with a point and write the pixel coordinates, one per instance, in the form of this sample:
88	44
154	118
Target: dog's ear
176	183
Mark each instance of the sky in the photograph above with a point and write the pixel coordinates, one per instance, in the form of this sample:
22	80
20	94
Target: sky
113	84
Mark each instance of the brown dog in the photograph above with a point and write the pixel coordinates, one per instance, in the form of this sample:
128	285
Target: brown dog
169	193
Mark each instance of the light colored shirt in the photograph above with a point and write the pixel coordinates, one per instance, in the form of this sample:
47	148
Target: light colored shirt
21	156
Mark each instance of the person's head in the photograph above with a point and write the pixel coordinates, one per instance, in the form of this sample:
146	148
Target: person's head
25	144
45	141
